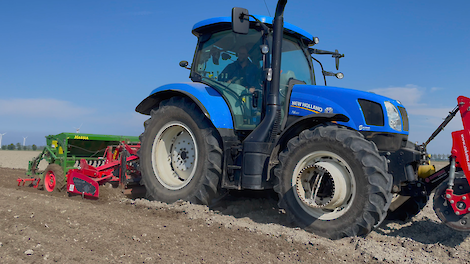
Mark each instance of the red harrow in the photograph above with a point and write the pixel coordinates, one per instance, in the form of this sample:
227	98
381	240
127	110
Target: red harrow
120	166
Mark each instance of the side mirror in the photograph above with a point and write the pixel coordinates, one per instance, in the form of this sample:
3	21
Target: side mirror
240	20
184	64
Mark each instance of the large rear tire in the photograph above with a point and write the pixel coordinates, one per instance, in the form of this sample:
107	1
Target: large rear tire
180	155
333	182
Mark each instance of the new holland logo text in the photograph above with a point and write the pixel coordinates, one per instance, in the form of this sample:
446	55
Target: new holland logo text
307	106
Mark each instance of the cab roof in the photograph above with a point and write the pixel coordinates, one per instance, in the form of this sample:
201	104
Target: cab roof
212	24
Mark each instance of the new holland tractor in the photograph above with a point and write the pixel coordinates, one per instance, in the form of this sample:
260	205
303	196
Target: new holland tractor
253	118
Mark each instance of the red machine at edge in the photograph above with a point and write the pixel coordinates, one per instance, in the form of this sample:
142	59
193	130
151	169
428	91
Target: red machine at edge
452	197
120	167
460	158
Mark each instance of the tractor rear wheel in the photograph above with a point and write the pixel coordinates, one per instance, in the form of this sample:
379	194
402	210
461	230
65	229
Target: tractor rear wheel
180	154
54	178
333	182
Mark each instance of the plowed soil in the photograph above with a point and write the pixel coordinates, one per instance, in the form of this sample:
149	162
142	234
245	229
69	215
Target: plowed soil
41	227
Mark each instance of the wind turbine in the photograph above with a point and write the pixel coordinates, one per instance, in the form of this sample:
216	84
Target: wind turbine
24	141
78	129
1	135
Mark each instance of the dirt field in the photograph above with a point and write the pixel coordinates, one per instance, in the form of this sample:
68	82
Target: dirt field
41	227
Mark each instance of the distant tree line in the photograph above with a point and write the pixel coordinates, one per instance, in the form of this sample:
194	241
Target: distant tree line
440	157
18	146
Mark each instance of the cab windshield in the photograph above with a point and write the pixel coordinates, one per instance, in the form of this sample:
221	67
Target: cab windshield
233	65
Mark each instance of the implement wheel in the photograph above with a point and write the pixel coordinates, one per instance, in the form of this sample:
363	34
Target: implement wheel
333	182
180	154
54	178
443	208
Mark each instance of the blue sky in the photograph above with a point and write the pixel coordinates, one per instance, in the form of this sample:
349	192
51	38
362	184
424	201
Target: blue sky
87	64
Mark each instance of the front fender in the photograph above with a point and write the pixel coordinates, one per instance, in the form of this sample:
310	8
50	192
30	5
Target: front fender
207	99
310	121
297	127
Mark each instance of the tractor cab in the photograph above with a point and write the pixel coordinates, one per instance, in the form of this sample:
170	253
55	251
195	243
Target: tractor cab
238	66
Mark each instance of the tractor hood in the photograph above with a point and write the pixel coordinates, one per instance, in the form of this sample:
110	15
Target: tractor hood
367	111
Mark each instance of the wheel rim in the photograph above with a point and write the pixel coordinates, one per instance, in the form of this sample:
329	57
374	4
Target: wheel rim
49	181
174	155
324	185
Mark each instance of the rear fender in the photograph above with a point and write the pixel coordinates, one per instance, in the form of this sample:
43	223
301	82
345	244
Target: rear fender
206	98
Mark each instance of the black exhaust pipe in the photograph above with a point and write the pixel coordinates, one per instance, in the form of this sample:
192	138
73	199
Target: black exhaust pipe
258	145
264	132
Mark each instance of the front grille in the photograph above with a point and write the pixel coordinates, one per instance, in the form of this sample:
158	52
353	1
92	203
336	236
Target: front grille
404	117
373	112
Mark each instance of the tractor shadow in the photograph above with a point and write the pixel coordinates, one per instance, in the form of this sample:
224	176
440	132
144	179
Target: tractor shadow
425	231
259	206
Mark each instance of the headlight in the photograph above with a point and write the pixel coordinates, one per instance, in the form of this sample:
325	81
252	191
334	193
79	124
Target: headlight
394	119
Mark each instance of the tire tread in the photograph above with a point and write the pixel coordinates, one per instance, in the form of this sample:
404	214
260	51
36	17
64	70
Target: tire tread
374	168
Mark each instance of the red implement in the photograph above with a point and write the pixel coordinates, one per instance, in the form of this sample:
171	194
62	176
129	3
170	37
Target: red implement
461	139
118	167
78	183
452	198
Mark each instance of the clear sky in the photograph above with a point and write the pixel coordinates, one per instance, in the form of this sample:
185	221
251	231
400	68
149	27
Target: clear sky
88	64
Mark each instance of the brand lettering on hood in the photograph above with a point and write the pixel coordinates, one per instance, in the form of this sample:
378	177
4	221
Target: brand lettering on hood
307	106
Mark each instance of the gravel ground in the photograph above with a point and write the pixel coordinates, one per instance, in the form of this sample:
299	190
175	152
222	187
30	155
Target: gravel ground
41	227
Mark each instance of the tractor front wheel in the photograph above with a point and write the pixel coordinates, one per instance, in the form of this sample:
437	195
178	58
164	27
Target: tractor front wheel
333	182
180	154
54	178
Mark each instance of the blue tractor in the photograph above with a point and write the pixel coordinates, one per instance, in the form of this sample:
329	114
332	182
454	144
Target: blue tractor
253	118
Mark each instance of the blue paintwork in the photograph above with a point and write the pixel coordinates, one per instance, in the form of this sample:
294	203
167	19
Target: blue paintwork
215	105
308	99
267	20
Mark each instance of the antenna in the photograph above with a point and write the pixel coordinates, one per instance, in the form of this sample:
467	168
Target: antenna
267	7
24	141
1	135
78	129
